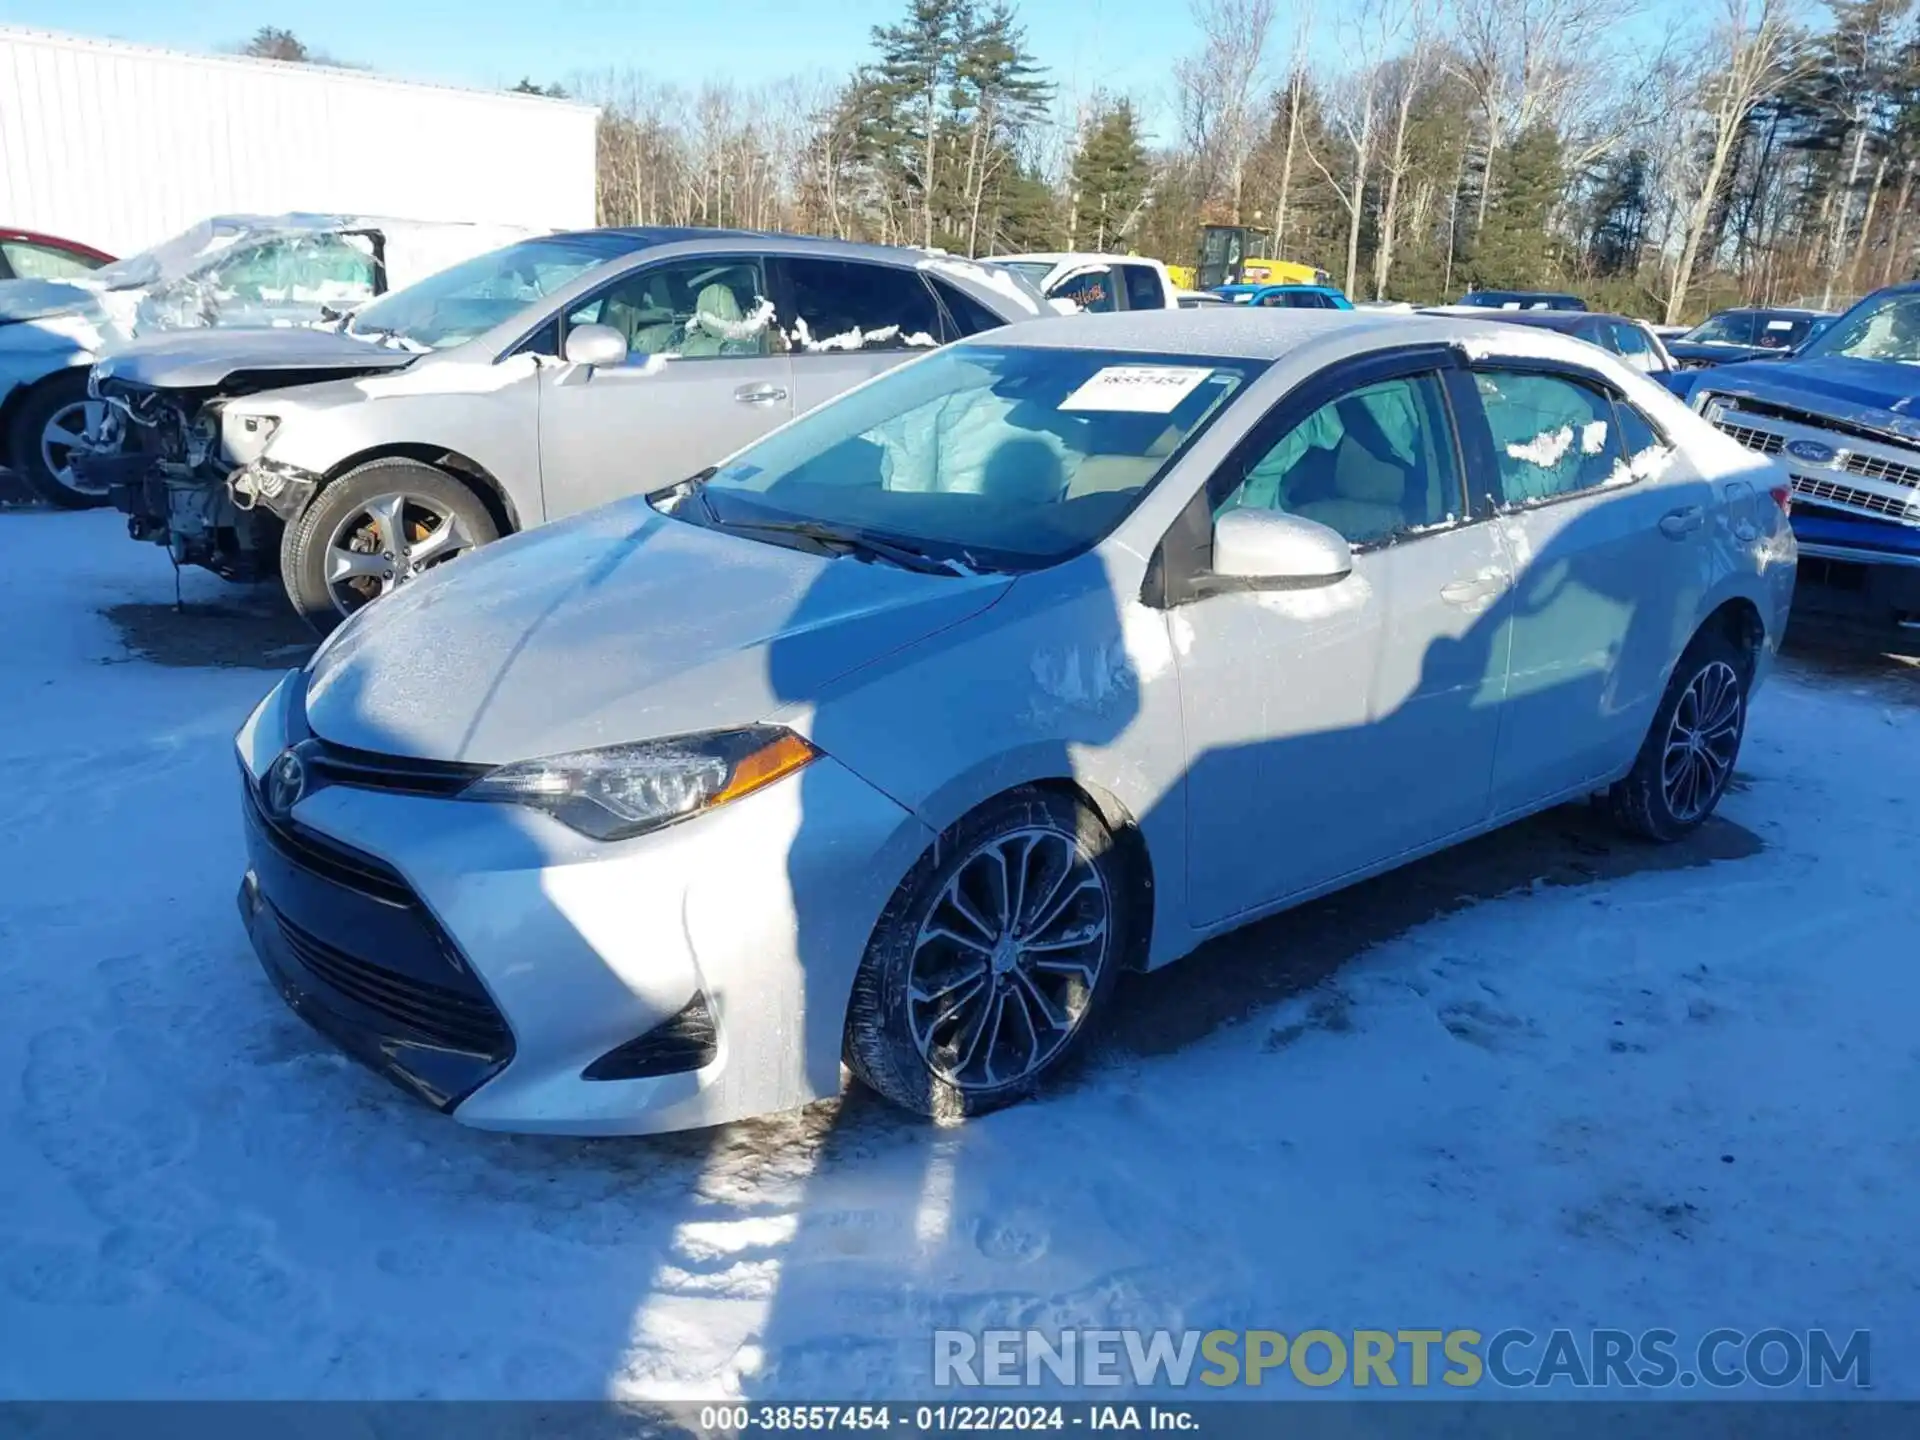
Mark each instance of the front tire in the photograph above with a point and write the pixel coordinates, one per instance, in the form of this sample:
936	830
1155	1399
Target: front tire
991	958
46	431
1691	748
371	531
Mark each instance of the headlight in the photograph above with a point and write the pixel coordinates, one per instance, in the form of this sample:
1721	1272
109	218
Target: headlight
245	437
626	790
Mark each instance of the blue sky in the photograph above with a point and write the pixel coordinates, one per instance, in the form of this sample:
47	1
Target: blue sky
1126	46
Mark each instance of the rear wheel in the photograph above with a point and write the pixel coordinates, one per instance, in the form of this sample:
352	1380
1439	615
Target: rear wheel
991	958
50	426
1690	750
373	530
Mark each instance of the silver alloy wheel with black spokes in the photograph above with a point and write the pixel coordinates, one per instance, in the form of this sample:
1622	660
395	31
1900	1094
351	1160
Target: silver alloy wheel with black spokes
1702	740
64	432
996	952
1692	744
374	529
385	542
1008	959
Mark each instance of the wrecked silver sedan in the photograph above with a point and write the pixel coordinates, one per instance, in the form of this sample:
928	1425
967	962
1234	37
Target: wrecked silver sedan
531	383
230	272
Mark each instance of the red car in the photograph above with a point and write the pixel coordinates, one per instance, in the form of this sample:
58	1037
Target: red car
28	255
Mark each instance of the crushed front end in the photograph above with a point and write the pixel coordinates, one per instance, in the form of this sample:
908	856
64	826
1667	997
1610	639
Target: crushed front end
159	456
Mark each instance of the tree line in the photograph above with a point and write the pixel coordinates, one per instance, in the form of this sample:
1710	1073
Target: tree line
1658	157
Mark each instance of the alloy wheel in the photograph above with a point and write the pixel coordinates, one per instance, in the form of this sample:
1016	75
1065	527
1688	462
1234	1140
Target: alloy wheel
384	543
1008	959
65	432
1702	740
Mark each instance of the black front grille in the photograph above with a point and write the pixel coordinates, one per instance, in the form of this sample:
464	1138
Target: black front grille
439	1014
329	859
1765	441
331	764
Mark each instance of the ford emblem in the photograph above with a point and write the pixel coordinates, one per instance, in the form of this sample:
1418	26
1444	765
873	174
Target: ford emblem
286	782
1812	451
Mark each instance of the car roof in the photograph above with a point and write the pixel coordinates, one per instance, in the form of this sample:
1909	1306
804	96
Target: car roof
1549	319
1235	332
1798	311
1058	257
56	242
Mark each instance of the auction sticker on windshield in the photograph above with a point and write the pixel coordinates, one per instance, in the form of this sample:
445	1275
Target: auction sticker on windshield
1142	389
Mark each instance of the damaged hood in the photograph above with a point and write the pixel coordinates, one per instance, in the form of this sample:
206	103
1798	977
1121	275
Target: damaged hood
1879	395
617	626
209	359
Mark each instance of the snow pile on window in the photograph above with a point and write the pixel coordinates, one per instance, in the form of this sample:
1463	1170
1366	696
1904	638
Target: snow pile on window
1548	448
801	338
1593	437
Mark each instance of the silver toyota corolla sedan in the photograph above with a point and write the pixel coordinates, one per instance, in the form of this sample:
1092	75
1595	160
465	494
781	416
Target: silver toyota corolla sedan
892	739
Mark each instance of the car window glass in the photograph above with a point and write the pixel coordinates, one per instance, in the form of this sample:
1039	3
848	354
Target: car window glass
297	270
42	262
966	315
1375	463
1629	340
708	308
845	305
1551	436
1637	435
1143	288
1090	290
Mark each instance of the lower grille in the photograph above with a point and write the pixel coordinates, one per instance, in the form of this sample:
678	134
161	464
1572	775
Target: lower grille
434	1012
1807	487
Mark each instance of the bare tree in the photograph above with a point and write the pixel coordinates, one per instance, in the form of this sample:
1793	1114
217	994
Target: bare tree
1298	79
1217	87
1756	48
1405	82
1354	112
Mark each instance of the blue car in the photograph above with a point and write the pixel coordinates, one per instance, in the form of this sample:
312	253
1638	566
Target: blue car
1842	417
1291	297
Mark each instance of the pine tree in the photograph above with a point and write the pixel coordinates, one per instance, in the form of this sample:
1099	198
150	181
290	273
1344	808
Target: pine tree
1111	175
918	66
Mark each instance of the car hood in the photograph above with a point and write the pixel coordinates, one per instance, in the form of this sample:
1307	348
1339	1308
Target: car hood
1719	354
206	359
616	626
1873	394
39	299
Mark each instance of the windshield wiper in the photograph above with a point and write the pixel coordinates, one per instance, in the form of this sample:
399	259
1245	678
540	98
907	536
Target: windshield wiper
852	542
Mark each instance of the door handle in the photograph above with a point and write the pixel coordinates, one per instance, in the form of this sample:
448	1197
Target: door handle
1676	524
762	394
1472	592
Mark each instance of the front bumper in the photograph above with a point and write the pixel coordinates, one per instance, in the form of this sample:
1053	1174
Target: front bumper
762	910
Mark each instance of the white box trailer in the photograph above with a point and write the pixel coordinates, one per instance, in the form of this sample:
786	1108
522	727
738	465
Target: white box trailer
119	146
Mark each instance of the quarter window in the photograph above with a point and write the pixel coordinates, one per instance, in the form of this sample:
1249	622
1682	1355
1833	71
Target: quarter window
689	309
1374	464
842	305
1552	436
966	315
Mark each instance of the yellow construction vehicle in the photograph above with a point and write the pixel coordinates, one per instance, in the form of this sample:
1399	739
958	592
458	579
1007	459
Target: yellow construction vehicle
1228	256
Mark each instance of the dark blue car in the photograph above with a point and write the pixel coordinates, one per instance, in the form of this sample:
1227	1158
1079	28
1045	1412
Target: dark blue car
1842	416
1747	334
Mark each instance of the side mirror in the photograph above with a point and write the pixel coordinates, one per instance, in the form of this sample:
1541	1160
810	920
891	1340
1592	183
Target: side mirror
1263	549
596	345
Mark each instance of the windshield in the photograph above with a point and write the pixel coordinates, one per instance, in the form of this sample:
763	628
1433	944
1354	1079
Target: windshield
1878	328
990	455
1034	270
455	305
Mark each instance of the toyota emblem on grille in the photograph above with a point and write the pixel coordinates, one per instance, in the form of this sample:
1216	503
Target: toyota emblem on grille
1812	451
286	782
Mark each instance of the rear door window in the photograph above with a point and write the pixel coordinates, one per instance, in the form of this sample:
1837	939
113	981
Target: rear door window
1552	435
842	305
1144	291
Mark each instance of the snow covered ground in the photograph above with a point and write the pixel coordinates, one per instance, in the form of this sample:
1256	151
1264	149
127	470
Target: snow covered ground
1549	1079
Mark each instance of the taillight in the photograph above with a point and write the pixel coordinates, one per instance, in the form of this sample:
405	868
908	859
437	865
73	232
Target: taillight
1783	497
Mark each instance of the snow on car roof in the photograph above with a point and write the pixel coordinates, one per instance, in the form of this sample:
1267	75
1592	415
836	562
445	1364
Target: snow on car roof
1238	333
